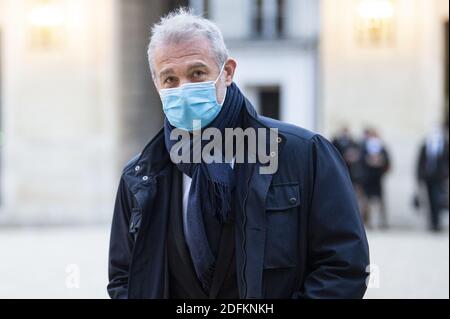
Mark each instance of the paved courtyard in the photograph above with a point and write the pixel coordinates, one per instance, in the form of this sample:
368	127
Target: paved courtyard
72	263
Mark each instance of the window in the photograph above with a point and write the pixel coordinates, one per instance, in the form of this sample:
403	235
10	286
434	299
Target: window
268	18
269	102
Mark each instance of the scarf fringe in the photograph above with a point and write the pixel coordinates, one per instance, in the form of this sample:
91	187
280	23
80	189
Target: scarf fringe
220	194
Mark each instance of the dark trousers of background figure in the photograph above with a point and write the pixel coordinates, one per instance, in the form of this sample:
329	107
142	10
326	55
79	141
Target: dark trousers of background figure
367	204
434	192
361	198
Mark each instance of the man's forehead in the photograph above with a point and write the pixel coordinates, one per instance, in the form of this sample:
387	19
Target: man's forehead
185	53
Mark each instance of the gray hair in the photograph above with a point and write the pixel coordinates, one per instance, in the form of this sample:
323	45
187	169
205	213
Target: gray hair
183	25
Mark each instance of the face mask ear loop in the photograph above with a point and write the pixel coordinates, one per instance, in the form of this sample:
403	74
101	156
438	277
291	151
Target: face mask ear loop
220	74
226	89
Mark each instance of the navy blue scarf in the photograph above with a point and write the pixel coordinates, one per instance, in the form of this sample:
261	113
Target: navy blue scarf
211	188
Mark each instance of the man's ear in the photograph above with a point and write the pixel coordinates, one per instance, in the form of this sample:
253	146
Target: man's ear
230	69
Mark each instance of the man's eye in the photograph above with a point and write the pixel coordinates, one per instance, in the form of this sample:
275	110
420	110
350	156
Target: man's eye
198	74
168	80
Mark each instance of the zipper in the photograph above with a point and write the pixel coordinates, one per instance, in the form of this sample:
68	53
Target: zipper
243	236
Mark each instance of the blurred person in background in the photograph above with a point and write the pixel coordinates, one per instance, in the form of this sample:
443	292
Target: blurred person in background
433	173
375	163
350	150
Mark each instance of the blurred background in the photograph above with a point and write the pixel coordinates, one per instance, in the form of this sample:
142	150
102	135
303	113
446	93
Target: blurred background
77	101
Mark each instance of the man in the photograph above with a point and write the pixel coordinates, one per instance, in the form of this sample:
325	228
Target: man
375	163
432	171
350	151
201	229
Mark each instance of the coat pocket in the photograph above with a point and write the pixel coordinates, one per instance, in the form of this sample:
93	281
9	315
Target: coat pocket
135	222
282	203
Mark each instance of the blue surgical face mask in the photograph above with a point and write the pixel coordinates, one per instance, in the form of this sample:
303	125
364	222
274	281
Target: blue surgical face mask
189	102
